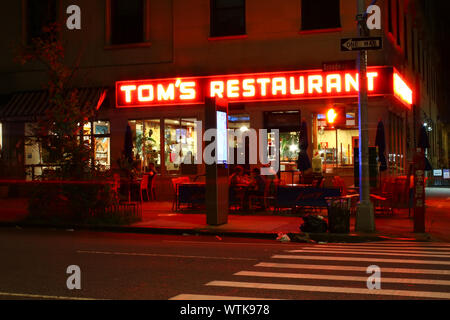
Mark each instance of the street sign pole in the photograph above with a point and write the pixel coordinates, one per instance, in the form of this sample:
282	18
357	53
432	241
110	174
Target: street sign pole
365	221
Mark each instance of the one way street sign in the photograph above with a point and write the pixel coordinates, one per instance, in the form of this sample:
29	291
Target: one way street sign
351	44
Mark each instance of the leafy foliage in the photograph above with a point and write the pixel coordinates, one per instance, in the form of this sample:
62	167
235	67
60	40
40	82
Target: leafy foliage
60	130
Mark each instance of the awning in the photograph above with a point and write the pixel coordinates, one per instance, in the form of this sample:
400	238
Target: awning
33	104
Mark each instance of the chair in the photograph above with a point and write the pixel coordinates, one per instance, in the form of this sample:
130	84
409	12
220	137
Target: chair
151	186
339	183
175	183
384	200
144	187
235	202
261	198
270	193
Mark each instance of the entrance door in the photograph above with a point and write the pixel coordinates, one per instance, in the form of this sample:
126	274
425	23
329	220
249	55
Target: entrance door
288	124
355	144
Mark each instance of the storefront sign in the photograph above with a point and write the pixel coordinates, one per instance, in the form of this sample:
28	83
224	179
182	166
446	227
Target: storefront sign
437	173
402	91
294	85
446	173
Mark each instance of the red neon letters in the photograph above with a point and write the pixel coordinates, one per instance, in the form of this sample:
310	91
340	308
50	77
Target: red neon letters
296	85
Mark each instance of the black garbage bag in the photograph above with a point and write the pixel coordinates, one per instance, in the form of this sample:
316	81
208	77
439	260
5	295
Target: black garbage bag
314	224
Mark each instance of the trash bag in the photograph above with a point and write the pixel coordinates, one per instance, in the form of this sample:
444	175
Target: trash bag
314	224
283	237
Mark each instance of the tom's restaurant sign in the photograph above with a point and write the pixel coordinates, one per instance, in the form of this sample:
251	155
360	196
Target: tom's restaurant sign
290	85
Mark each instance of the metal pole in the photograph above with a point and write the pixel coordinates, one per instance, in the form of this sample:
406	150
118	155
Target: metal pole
365	220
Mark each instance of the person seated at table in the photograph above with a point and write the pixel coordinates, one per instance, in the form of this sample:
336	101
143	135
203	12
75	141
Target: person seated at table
151	175
257	184
256	188
151	170
238	177
271	178
236	182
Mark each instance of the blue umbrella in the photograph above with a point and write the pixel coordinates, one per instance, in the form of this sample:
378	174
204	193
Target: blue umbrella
303	162
424	143
380	142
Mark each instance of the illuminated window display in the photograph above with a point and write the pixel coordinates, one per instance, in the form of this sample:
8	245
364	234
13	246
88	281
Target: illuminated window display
180	145
335	145
101	142
147	141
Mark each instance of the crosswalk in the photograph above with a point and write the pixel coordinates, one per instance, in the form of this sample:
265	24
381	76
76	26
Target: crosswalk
408	270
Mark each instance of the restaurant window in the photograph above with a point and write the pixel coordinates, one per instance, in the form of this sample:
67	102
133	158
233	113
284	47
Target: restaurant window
99	138
37	159
39	13
320	14
241	146
147	142
389	5
227	18
180	146
127	21
288	124
336	145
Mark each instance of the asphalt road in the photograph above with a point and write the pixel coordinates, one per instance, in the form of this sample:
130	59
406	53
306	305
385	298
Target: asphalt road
33	265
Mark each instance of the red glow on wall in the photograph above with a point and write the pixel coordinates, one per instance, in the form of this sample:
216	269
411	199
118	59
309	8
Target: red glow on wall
293	85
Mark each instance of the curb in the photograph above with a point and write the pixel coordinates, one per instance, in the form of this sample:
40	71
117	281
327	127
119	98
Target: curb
294	237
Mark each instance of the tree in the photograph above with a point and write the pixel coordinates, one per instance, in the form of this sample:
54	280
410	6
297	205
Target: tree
60	131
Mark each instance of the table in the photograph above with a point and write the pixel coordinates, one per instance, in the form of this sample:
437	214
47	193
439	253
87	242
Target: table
304	196
129	184
191	193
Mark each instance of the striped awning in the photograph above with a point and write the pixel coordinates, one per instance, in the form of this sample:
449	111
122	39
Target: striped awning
33	104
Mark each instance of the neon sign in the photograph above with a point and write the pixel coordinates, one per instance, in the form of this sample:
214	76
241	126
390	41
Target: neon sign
291	85
402	91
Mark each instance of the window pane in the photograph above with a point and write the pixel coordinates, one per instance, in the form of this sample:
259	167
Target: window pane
289	146
152	143
102	151
320	14
40	13
146	141
180	145
127	21
227	17
102	143
101	127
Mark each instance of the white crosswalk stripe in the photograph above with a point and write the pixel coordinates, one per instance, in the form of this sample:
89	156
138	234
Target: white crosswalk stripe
340	270
373	253
283	256
350	268
340	278
326	289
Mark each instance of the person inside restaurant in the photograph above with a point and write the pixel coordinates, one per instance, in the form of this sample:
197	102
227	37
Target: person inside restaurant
255	188
238	177
238	181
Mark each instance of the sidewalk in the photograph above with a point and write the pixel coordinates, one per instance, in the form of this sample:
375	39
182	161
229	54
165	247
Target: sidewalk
158	218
